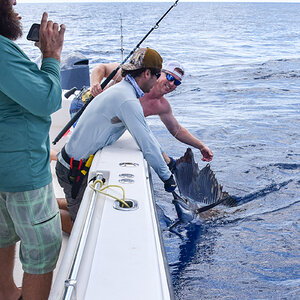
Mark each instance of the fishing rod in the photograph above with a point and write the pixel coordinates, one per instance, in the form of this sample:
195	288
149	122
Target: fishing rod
121	29
108	79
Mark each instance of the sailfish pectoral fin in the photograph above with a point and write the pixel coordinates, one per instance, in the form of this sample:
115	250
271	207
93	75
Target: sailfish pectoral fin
207	207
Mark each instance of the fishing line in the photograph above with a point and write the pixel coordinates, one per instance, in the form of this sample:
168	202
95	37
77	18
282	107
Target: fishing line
108	79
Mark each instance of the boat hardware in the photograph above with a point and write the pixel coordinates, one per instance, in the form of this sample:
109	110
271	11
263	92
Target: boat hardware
126	180
101	190
70	282
108	79
126	175
128	164
133	205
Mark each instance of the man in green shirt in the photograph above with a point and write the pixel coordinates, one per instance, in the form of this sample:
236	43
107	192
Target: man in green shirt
28	208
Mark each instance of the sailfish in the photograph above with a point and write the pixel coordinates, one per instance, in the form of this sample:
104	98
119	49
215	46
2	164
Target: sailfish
196	188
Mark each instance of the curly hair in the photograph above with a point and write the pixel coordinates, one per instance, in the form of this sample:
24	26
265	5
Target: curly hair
10	25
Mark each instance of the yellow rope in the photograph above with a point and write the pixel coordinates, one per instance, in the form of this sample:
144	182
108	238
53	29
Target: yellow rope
100	190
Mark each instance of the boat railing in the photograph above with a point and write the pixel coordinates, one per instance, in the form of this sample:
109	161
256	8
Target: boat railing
70	283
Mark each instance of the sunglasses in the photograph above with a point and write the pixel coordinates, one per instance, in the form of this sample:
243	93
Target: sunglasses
172	78
156	74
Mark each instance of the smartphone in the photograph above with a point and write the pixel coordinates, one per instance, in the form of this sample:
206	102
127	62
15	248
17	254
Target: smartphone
34	32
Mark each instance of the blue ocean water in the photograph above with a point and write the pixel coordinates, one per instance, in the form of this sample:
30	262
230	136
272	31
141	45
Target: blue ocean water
241	97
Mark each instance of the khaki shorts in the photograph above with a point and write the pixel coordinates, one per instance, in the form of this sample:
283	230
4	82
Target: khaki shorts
33	218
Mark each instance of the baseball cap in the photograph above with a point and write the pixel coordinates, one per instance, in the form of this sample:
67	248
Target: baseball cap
171	65
144	58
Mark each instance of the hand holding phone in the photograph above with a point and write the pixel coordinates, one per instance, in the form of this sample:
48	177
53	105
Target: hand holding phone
34	33
48	37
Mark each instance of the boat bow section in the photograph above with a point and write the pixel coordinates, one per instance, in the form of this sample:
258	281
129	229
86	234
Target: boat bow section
123	256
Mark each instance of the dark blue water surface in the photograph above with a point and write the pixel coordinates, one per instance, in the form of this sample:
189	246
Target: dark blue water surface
241	97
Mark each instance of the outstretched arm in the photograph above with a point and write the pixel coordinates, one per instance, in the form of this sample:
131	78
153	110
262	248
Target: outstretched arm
184	136
102	71
131	114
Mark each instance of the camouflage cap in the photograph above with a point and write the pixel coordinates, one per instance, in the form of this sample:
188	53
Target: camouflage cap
144	58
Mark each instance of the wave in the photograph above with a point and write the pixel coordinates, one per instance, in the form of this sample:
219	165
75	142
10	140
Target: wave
287	166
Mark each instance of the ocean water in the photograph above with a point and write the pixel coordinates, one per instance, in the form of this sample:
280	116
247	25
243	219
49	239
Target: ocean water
241	97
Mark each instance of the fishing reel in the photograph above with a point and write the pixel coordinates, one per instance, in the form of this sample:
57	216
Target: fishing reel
79	100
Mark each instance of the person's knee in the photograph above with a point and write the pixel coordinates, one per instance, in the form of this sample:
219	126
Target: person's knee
62	203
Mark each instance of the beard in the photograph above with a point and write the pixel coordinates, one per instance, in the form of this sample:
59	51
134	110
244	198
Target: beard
10	25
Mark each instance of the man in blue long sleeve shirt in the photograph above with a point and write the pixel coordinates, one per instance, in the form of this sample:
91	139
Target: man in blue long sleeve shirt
28	208
106	119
